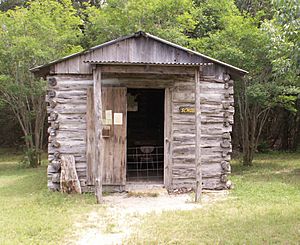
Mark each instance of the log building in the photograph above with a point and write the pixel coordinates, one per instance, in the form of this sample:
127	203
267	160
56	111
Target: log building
140	109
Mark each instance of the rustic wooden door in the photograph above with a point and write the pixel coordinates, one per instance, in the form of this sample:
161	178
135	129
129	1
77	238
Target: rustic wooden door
114	104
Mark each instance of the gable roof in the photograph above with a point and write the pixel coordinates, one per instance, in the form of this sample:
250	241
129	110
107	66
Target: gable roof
88	55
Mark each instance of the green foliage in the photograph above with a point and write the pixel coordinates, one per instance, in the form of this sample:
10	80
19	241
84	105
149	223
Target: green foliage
43	31
210	16
10	4
30	158
284	48
241	43
30	36
259	36
38	33
258	8
168	19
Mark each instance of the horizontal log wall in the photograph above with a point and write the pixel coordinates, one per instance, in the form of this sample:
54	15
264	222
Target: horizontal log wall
216	103
67	122
67	97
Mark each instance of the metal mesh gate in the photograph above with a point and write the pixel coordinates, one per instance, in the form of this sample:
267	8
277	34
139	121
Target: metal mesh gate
145	163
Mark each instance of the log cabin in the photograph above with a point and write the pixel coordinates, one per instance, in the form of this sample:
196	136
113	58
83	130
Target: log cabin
140	110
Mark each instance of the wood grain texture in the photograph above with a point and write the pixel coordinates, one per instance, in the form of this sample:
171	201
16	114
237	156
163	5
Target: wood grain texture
90	138
198	164
99	150
114	169
73	113
69	182
167	139
138	49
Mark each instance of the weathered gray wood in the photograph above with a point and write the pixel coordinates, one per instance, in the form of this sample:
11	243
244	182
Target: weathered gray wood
114	166
147	69
52	81
198	190
119	152
212	183
69	182
90	138
140	49
72	122
99	152
167	140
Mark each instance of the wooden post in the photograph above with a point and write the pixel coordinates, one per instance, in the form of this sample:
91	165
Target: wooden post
98	156
198	188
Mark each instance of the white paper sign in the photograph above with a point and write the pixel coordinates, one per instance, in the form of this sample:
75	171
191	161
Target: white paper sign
118	118
108	117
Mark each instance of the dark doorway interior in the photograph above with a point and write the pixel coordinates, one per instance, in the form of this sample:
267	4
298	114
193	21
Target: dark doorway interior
145	135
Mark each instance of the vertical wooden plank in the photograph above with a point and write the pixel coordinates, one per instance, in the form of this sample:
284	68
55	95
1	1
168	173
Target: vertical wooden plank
90	138
114	146
119	152
167	142
108	144
198	188
69	182
99	152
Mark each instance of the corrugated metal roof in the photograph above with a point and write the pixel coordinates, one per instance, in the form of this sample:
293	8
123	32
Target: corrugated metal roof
137	34
113	62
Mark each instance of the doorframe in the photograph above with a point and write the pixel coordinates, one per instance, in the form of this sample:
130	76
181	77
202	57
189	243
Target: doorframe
167	133
167	138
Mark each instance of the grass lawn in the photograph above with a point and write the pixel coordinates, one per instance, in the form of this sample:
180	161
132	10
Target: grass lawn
29	213
263	208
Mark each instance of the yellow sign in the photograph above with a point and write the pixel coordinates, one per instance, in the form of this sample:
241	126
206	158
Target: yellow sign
186	110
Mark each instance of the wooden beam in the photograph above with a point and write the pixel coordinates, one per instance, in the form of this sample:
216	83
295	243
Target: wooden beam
148	69
198	187
90	138
167	140
98	157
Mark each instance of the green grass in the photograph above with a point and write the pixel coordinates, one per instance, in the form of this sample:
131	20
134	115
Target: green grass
29	213
263	208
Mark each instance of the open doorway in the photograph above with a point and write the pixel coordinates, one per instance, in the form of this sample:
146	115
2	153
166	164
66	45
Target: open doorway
145	135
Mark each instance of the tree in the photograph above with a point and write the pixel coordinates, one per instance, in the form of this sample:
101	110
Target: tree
33	35
10	4
262	9
284	53
169	19
210	15
269	54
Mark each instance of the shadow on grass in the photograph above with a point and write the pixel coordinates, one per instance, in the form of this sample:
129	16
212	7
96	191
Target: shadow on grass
264	163
23	183
15	168
239	169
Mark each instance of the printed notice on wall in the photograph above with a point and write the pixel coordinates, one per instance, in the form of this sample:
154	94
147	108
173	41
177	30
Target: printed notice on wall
118	118
108	117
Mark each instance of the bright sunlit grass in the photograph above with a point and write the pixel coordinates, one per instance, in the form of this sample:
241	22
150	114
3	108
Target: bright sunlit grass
264	208
29	213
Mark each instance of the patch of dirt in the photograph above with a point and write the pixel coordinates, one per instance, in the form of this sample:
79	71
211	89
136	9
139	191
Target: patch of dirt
124	213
